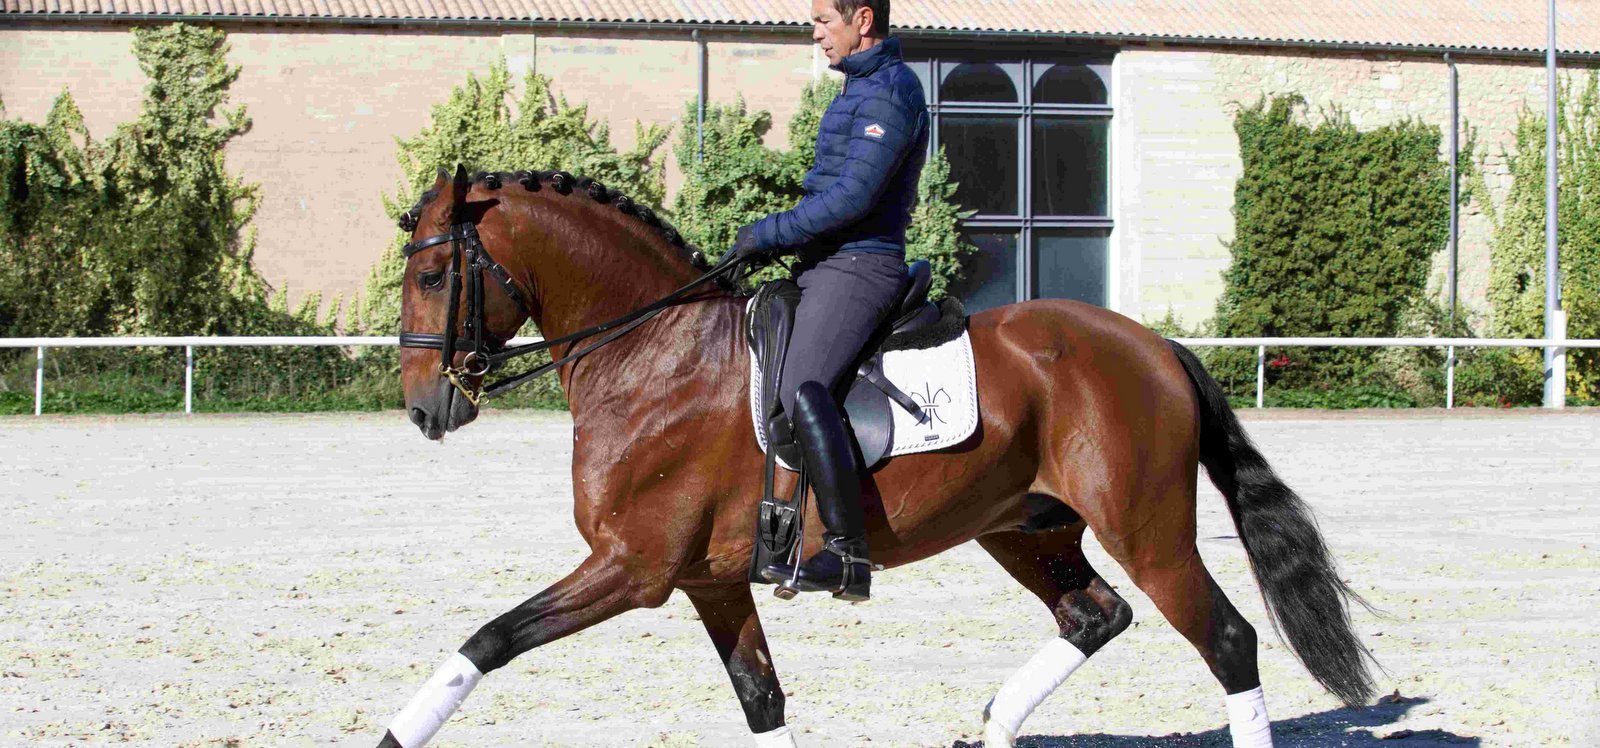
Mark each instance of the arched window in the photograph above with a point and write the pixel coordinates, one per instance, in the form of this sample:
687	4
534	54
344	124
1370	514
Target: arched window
1069	84
983	82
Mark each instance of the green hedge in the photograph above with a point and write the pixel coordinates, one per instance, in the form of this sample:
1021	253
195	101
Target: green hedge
1335	230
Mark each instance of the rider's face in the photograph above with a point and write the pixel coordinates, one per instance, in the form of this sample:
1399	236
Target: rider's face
838	35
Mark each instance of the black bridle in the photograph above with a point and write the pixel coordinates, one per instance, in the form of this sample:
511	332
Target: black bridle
468	263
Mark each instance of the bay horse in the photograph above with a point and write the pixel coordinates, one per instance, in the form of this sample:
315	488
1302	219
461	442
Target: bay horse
1088	420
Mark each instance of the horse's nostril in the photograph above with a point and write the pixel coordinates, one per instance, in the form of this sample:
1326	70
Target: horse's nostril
417	416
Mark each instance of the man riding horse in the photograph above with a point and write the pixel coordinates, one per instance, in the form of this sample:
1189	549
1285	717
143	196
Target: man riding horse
850	234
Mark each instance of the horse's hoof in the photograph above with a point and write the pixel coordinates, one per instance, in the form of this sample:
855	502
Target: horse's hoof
995	735
786	590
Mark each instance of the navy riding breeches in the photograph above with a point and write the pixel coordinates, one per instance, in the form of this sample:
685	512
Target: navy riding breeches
843	298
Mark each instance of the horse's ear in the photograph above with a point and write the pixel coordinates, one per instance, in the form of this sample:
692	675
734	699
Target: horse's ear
463	183
441	181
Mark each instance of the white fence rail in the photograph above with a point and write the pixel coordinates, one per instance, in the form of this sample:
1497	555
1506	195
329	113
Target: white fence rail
1260	344
189	343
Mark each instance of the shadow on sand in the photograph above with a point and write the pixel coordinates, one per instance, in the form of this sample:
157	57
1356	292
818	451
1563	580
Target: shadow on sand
1344	728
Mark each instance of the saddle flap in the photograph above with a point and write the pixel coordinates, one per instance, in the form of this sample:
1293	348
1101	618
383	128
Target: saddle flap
867	412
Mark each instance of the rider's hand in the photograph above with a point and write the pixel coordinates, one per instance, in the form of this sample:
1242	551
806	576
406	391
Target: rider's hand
744	245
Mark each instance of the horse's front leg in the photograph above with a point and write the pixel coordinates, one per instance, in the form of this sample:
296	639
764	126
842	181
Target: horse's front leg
729	614
601	587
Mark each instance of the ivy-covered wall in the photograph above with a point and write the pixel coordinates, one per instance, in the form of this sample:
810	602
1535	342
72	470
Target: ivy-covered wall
1335	231
1517	272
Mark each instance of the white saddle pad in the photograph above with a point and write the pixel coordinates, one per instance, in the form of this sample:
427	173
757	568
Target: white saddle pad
944	382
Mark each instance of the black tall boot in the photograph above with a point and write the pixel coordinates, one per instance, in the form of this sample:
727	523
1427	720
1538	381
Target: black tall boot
841	567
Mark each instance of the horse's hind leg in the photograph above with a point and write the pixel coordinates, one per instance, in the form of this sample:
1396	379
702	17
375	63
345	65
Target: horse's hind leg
1162	560
729	615
1089	613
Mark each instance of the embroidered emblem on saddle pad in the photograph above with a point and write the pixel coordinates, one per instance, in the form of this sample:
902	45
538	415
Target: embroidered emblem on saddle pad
941	380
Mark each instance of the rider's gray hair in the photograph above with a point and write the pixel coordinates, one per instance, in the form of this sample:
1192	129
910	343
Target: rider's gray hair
880	12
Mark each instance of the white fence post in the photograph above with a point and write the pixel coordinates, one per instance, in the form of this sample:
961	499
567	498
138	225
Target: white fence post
188	379
1558	363
1261	375
1450	378
38	385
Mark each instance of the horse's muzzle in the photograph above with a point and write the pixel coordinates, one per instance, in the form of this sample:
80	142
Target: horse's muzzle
443	411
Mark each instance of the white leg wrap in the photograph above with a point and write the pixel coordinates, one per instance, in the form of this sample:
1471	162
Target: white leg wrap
416	724
779	738
1027	688
1247	719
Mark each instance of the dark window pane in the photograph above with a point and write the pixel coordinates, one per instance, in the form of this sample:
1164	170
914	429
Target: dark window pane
1069	84
989	276
920	68
1071	264
1070	166
983	161
978	81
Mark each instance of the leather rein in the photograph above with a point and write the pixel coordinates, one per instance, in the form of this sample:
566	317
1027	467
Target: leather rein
486	352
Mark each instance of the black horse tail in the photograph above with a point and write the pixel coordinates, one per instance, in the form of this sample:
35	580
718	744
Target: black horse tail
1308	603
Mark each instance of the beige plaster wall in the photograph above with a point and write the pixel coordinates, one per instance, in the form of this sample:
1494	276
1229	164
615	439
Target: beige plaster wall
1178	158
327	105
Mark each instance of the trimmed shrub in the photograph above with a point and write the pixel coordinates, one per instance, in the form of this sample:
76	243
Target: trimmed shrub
1334	235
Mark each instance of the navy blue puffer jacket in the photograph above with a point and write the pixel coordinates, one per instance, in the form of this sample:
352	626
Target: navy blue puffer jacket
873	140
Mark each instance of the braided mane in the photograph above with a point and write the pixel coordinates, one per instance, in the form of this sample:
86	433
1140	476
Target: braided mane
566	184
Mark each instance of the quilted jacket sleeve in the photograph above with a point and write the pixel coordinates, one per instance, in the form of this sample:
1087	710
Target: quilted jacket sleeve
882	133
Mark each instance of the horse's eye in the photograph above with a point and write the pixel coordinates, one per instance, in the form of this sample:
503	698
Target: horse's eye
432	280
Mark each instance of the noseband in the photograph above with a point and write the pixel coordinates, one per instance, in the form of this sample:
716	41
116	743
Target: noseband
488	352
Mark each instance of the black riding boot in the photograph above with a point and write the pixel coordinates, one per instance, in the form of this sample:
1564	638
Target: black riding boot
841	567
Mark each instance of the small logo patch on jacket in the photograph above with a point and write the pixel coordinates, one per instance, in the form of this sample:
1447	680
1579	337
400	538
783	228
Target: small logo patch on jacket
874	130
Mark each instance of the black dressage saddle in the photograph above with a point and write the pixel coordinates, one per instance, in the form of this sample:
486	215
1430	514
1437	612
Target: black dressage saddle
916	323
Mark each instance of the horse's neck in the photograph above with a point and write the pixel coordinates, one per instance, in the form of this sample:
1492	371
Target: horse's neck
602	265
692	353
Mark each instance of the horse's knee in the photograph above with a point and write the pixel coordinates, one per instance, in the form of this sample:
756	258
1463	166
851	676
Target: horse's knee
1093	616
759	694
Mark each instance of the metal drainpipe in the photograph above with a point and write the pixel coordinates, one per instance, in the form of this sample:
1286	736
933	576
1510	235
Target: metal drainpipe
1455	187
700	109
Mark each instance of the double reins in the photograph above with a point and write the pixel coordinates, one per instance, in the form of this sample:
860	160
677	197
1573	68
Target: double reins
469	261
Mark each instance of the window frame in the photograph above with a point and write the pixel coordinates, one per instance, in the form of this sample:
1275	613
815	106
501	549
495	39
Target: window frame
932	62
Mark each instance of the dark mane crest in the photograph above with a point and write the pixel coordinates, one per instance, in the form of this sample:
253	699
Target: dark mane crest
566	184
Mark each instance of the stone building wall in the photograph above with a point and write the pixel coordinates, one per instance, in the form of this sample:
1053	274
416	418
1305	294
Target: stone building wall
329	102
1179	158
